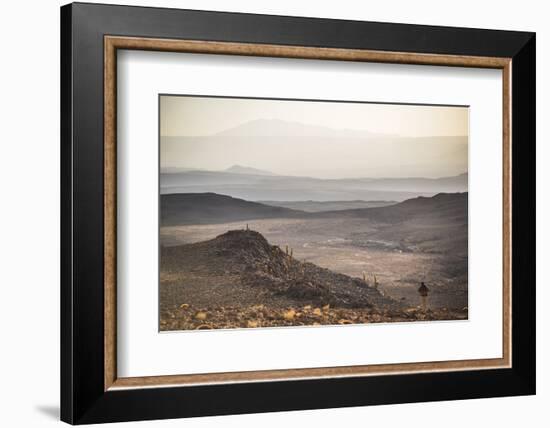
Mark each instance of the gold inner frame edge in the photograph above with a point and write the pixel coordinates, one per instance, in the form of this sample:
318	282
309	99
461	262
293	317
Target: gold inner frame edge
113	43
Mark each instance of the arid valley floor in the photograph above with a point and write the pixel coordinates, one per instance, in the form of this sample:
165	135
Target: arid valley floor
230	263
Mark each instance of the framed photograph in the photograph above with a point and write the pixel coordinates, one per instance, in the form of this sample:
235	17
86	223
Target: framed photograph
265	213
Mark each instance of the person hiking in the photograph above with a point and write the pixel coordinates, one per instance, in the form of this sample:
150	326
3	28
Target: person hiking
423	291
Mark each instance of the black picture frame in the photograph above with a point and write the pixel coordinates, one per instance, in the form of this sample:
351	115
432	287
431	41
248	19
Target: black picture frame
83	398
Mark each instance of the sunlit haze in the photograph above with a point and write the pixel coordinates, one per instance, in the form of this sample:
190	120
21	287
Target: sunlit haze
317	139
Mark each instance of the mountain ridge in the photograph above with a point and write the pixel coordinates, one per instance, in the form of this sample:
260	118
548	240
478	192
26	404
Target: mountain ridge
258	187
287	128
205	208
240	169
212	208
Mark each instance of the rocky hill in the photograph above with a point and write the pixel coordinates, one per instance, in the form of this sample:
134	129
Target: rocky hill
241	267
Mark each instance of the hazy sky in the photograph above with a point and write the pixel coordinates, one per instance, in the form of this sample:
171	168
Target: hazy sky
201	116
349	137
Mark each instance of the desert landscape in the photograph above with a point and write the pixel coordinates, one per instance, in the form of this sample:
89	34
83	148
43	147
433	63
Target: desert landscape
227	262
353	214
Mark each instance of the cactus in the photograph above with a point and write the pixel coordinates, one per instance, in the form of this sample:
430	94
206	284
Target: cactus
366	279
291	252
286	250
375	281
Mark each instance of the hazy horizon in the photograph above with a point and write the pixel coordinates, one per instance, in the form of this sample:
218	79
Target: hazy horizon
176	169
326	140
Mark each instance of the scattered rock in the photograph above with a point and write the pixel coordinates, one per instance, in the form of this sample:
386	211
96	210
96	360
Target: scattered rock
204	327
224	317
200	316
289	315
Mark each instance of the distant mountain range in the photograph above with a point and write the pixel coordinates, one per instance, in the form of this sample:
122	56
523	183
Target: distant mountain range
292	148
285	128
212	208
258	185
239	169
319	206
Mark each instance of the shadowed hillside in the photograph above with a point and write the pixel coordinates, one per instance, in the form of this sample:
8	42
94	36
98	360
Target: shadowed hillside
436	225
449	205
204	208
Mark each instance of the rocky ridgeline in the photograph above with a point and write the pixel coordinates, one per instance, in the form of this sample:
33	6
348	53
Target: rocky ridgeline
248	256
